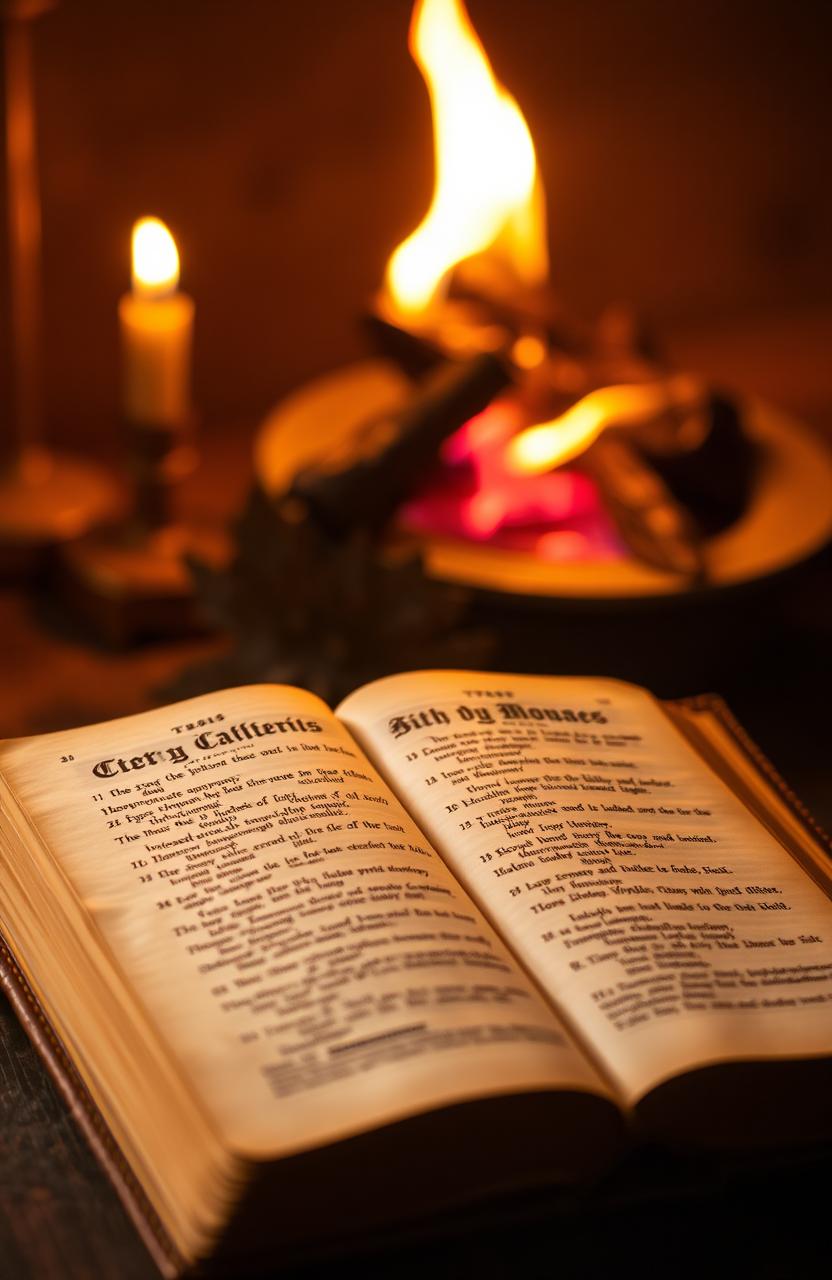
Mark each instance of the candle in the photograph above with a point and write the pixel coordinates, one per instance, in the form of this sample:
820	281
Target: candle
156	321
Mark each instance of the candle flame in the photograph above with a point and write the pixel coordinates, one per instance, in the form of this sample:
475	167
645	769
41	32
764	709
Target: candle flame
487	192
551	444
155	259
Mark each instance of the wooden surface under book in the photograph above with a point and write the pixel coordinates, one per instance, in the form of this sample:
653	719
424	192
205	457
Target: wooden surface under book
60	1218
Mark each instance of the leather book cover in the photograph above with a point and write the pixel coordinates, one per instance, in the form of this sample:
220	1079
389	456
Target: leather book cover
769	775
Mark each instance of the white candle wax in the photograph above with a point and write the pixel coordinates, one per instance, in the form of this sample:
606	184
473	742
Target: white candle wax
156	322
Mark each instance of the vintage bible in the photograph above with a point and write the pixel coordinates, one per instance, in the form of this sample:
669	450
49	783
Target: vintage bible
305	974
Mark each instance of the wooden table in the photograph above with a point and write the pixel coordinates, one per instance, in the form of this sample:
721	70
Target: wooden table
58	1215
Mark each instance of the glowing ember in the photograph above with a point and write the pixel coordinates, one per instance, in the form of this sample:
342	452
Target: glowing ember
564	545
529	351
487	194
476	497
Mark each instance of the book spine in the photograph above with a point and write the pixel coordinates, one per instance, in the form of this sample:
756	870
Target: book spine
717	706
87	1116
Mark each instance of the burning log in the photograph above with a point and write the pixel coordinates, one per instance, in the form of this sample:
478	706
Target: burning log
707	461
414	353
653	524
459	330
527	313
667	458
379	465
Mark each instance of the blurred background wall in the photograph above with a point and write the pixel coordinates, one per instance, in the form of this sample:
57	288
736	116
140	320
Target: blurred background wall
684	148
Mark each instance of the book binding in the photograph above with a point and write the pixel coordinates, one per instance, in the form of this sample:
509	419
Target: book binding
87	1116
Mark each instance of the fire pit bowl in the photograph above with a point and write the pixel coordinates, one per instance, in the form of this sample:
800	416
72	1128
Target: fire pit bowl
788	520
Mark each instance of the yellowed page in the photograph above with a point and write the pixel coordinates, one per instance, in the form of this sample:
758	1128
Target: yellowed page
309	959
660	916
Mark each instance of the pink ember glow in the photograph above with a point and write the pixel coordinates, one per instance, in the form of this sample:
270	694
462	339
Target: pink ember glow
472	495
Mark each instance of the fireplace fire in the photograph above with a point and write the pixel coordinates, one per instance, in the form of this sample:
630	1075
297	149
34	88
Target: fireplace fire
474	275
559	443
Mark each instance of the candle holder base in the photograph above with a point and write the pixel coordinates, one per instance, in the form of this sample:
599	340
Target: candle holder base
133	584
46	500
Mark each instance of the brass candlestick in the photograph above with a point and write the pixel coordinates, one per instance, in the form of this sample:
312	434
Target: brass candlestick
133	580
46	498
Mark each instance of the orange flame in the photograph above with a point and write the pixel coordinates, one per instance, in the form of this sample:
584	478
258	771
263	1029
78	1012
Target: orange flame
155	259
487	193
551	444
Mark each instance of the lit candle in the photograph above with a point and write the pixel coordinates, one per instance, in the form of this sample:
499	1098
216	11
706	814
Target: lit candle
156	321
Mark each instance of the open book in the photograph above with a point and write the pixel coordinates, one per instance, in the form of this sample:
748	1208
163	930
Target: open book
301	972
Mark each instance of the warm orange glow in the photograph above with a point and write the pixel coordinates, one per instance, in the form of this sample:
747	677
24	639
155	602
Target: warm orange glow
528	351
551	444
563	545
487	192
155	259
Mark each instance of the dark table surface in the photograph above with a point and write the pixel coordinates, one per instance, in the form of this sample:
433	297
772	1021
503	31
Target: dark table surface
58	1215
